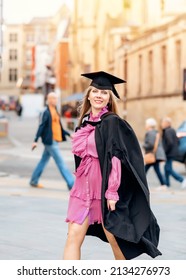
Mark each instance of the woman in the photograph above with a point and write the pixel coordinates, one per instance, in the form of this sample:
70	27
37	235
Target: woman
110	197
151	138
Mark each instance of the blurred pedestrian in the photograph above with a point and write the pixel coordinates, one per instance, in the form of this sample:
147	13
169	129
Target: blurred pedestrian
110	197
170	144
68	118
153	144
19	108
51	132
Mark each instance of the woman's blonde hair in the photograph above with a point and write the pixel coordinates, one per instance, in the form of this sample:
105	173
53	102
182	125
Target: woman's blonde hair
85	106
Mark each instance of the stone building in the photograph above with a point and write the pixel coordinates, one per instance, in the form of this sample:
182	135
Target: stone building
22	56
153	64
61	51
88	37
12	59
28	49
141	41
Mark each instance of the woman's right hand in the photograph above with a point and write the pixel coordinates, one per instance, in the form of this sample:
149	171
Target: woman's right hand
111	204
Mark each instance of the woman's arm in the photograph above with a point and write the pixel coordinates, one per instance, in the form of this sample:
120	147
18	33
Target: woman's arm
113	184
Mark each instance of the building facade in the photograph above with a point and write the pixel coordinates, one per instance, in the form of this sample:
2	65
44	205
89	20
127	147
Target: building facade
12	59
141	41
61	51
153	64
30	49
91	23
39	36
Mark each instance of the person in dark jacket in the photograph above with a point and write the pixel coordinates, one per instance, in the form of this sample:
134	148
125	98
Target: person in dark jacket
51	132
19	108
170	144
149	145
110	196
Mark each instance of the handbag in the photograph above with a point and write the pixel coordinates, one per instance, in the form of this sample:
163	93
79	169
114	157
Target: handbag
150	158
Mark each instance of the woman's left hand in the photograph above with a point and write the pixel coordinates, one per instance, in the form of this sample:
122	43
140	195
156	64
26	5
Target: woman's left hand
111	204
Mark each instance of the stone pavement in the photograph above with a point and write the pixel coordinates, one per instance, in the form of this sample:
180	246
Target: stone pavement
33	227
32	221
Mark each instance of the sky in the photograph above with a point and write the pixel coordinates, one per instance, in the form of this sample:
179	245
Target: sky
21	11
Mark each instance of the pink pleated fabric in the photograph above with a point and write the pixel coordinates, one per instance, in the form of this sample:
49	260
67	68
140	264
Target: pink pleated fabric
85	196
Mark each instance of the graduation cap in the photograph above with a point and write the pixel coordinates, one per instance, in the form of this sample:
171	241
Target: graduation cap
104	80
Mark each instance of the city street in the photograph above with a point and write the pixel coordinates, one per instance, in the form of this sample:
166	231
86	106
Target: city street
32	220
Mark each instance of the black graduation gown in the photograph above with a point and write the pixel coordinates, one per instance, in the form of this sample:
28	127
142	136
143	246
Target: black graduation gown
132	222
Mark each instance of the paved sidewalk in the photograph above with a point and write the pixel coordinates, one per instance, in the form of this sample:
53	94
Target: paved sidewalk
33	227
32	222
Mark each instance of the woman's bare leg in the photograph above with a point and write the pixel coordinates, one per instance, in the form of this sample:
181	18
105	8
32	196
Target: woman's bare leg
114	245
76	235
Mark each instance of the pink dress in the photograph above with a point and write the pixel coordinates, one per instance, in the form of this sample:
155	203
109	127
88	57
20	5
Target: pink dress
85	196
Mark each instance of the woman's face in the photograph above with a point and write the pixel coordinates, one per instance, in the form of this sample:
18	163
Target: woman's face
99	98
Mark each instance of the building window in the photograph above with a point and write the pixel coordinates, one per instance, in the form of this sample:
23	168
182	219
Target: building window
12	74
164	63
150	71
178	64
13	37
13	54
139	74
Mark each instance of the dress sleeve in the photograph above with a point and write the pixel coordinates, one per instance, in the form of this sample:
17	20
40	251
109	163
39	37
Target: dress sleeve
114	180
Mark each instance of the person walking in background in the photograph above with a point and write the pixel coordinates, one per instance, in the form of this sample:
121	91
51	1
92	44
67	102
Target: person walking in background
51	132
19	108
110	196
153	143
170	144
